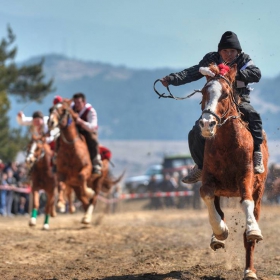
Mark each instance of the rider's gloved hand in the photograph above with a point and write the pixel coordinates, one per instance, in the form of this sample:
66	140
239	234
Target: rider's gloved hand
165	81
206	71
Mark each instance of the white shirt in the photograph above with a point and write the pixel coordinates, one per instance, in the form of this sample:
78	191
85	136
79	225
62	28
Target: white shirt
27	121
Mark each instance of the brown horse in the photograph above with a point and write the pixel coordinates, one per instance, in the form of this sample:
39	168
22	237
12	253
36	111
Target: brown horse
228	163
38	161
74	167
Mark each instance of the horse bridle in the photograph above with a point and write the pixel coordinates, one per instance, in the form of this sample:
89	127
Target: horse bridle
60	119
219	119
37	158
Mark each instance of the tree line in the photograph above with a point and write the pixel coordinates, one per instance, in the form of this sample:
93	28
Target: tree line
27	83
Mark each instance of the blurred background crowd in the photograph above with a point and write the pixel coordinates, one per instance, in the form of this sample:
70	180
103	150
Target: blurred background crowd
14	191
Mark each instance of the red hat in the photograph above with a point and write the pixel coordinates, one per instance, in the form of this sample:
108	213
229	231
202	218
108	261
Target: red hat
57	99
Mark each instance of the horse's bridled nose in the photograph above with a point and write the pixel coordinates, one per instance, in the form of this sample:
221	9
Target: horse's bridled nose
212	124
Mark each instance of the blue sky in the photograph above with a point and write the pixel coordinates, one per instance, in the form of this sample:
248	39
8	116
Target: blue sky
143	34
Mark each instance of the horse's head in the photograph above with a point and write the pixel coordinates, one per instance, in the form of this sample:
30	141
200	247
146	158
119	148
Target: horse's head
59	114
218	100
35	151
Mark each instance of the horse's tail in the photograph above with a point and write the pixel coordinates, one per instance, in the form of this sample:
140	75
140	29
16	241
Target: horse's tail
110	181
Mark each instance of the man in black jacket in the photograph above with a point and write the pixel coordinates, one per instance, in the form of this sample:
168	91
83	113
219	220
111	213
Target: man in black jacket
229	52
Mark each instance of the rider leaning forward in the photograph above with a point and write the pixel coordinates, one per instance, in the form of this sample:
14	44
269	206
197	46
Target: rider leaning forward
229	52
87	126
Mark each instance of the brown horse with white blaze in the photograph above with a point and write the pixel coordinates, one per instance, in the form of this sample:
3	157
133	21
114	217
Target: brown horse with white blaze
74	167
228	163
38	161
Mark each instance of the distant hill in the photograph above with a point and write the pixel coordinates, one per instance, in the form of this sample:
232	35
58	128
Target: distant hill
127	106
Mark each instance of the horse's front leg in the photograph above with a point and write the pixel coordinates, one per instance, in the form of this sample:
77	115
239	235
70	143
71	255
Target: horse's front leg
61	203
33	219
86	191
89	211
216	218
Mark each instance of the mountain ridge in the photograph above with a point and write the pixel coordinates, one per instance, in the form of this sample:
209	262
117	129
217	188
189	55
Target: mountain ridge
127	106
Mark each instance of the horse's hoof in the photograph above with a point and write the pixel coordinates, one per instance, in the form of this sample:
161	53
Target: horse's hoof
61	207
86	220
90	192
46	227
32	222
72	209
254	235
249	275
222	236
216	244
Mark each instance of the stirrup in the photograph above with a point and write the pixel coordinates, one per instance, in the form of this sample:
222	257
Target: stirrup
194	176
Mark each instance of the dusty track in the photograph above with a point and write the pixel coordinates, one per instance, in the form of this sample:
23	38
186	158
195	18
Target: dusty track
161	245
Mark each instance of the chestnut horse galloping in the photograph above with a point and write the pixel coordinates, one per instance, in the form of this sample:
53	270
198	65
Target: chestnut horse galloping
74	167
228	163
38	161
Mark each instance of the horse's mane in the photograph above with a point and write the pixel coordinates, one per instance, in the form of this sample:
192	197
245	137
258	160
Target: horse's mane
66	104
224	70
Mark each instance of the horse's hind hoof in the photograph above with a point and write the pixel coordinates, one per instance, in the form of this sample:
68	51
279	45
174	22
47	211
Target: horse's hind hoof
249	275
32	222
61	207
254	235
46	227
86	220
216	244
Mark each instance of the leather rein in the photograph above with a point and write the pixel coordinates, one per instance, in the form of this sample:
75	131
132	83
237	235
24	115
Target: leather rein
216	77
61	117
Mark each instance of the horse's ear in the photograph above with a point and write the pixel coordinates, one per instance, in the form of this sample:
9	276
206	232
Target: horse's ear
69	101
232	72
214	68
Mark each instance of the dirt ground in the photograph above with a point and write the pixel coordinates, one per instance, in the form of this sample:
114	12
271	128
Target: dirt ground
137	244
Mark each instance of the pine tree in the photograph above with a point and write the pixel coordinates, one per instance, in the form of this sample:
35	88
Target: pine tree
26	82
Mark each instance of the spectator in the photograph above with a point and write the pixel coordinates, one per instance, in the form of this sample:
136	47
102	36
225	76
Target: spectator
168	185
10	193
153	187
23	197
3	195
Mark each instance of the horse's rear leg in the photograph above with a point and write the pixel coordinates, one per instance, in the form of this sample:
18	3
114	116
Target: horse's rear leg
250	272
33	219
253	232
49	209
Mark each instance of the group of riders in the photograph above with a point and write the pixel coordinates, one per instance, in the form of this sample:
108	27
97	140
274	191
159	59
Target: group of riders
86	124
229	52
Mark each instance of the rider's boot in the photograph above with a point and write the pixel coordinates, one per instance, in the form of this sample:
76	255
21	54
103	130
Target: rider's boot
97	165
258	163
194	176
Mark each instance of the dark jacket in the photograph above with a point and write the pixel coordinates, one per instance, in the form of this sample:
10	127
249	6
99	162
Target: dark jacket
247	72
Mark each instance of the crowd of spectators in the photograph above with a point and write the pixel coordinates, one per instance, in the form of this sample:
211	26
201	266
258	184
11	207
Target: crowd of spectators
172	183
14	196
